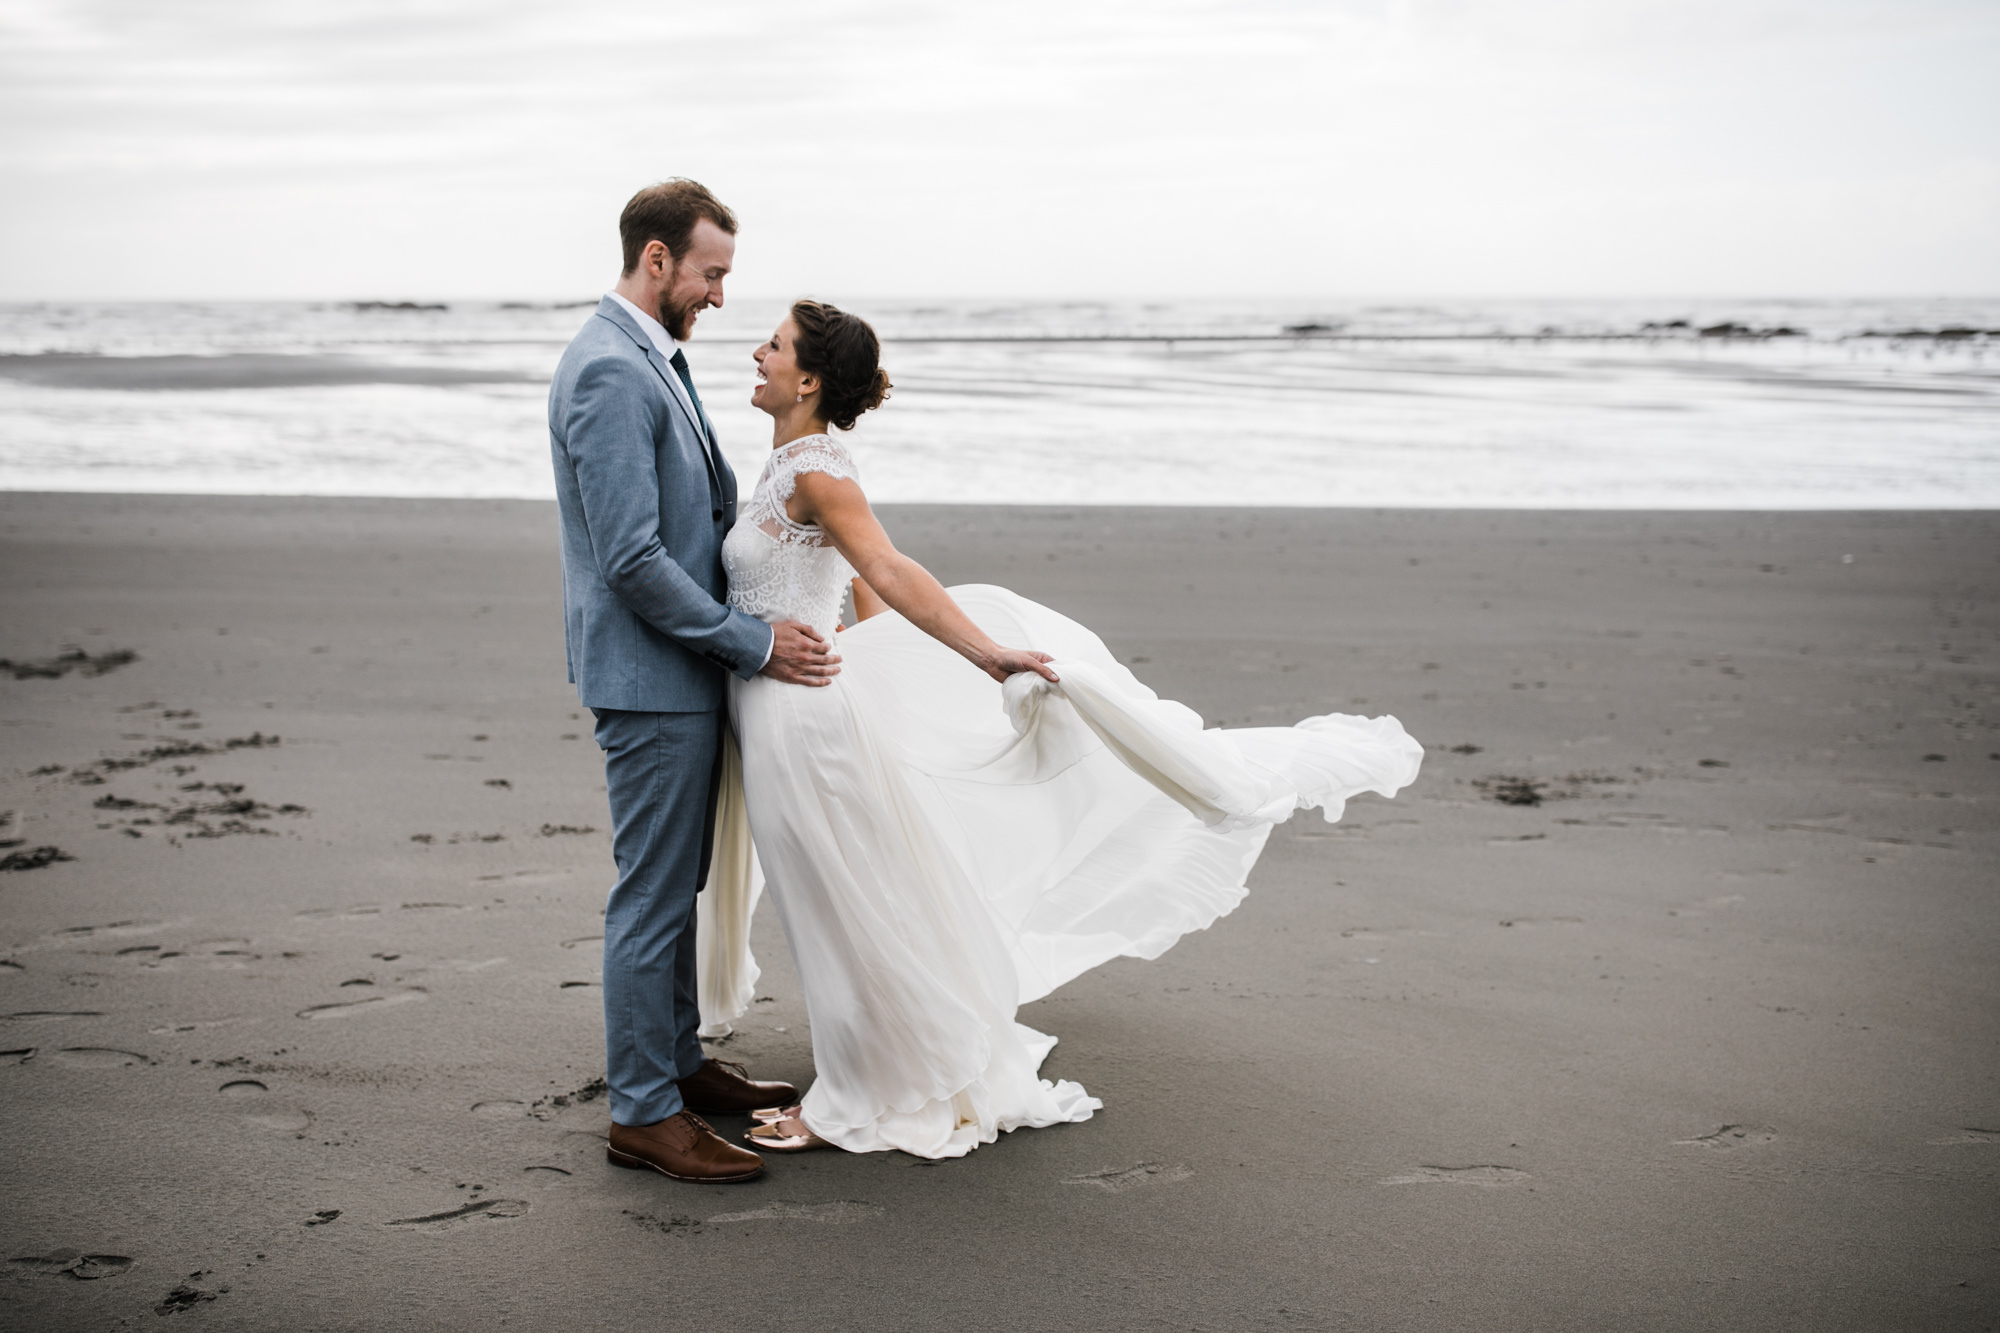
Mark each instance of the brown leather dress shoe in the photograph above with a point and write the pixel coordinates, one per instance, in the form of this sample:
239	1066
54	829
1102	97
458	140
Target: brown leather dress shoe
723	1087
683	1147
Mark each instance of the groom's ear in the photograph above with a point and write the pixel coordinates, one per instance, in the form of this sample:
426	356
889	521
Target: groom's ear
656	259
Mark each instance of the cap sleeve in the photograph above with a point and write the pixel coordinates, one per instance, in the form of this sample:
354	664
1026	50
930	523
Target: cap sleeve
816	453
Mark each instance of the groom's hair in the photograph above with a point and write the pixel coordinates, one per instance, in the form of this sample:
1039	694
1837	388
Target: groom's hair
667	213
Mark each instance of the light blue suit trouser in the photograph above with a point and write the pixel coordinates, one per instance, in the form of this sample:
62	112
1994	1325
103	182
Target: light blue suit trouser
662	772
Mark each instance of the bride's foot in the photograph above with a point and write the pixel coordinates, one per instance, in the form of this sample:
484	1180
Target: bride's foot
785	1135
773	1114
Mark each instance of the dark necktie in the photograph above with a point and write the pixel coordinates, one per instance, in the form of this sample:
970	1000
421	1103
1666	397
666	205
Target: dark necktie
680	365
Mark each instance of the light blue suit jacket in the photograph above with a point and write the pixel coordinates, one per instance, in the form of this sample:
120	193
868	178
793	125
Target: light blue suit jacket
644	509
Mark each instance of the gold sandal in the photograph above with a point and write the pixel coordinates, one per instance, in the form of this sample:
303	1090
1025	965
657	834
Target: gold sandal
772	1136
770	1115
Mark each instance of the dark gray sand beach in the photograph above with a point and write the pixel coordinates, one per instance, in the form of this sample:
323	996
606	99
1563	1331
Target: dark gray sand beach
1666	999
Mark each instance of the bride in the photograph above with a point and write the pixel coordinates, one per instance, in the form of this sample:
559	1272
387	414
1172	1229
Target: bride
951	828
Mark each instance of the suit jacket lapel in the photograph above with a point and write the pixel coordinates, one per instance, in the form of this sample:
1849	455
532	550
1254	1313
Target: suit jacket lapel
710	454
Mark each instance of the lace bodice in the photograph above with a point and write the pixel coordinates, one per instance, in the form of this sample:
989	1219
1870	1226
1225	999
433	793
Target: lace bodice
778	569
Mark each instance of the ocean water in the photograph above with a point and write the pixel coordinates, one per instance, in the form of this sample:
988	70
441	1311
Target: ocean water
1532	404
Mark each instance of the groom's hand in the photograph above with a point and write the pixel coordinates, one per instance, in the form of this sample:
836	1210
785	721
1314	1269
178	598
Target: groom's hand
799	656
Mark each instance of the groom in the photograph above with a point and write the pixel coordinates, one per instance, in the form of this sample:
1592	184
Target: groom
645	499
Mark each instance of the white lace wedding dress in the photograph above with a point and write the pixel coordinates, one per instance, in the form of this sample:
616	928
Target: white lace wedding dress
942	849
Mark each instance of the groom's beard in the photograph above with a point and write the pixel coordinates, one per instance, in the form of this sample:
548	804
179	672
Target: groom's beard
678	320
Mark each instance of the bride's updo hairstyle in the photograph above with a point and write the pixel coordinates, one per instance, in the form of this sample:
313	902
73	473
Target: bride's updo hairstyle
846	355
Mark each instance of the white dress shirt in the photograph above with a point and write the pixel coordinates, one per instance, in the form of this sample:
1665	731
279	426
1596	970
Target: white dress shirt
663	343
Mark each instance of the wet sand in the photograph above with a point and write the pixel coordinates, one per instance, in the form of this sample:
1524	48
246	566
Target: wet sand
1665	1000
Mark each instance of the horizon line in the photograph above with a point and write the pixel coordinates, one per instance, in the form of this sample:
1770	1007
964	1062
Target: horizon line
579	302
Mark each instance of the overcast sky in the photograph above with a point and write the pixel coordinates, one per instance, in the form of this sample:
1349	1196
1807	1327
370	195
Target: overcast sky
444	148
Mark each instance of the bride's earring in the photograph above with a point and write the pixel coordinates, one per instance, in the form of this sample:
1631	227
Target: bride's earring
802	398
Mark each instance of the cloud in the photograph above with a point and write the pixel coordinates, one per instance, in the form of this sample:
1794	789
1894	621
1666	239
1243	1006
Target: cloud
227	148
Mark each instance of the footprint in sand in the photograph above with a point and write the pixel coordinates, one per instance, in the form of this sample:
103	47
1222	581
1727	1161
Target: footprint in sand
97	1057
228	947
17	1057
548	1108
1485	1177
115	929
1731	1137
673	1224
349	1008
839	1211
197	1025
471	1212
501	1110
222	955
1706	905
524	878
75	1265
75	935
466	965
186	1296
359	912
1969	1134
283	1122
248	1094
1118	1179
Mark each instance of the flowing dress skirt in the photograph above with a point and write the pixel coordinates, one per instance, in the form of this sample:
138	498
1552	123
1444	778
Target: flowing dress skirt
941	850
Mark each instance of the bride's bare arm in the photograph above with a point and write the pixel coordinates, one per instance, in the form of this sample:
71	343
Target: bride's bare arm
866	603
838	507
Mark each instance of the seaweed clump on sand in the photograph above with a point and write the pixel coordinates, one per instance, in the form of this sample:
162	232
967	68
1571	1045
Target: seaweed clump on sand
199	817
34	858
1508	789
93	774
1512	790
68	660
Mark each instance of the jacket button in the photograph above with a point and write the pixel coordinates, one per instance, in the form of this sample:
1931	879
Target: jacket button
717	516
